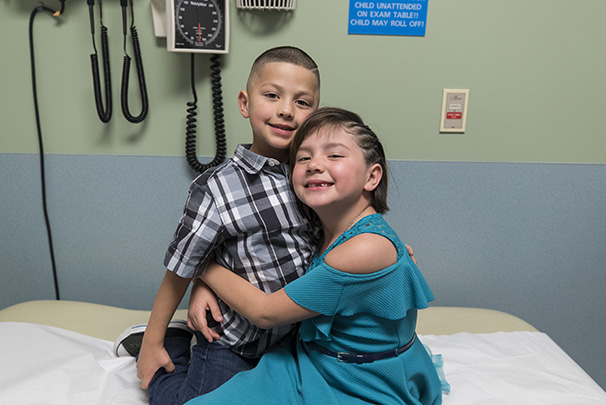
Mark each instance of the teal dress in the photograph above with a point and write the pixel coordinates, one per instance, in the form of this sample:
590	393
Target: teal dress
360	313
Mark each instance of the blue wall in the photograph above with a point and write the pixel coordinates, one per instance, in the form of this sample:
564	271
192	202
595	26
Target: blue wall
527	239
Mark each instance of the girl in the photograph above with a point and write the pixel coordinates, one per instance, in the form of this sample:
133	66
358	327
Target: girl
359	298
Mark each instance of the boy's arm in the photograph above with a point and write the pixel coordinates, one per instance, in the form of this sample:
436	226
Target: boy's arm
264	310
153	355
203	299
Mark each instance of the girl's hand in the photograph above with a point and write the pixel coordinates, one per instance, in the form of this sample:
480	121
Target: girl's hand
203	299
150	361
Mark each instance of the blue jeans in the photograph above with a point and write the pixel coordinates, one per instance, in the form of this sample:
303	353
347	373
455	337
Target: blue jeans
207	367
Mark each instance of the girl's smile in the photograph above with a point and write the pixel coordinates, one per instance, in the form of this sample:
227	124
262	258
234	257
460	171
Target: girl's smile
317	184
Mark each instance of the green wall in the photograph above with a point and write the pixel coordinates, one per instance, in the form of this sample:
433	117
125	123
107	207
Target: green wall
535	71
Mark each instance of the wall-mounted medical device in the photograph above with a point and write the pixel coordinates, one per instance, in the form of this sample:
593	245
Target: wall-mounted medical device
267	4
202	26
104	108
192	26
198	26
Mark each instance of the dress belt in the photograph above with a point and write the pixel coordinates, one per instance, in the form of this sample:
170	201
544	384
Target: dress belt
361	357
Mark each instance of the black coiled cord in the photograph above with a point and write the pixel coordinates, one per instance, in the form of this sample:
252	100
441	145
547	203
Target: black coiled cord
39	8
126	70
190	133
104	113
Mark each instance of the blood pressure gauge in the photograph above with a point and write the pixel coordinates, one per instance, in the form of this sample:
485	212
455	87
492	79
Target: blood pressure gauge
198	26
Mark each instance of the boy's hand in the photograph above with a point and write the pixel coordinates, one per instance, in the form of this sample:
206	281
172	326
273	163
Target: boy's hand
203	299
411	253
151	361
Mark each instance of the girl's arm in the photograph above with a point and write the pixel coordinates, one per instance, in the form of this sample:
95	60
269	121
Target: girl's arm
264	310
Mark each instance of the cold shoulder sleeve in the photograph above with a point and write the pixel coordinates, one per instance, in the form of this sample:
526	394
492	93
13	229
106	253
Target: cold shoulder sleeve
389	293
318	290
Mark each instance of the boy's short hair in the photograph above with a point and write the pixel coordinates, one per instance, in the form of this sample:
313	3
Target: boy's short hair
286	54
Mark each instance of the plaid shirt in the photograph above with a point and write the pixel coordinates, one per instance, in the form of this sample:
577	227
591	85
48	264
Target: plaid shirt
244	214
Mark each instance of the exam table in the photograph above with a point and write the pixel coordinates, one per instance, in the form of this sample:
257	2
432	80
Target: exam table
60	352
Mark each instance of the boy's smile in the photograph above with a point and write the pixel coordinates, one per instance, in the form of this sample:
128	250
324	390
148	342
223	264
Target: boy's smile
283	129
277	101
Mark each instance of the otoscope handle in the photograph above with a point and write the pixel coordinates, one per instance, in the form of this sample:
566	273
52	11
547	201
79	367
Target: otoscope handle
91	15
124	4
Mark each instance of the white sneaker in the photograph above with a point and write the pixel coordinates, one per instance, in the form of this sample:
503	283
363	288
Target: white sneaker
129	341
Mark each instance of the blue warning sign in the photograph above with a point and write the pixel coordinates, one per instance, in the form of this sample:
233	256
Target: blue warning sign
383	17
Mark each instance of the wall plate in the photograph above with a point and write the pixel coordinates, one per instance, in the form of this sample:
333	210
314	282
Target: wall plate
454	110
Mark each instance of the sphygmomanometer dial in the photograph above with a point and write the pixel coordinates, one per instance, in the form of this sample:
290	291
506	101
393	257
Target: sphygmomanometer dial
199	24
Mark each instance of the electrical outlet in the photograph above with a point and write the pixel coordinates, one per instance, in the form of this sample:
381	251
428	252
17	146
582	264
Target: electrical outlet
454	110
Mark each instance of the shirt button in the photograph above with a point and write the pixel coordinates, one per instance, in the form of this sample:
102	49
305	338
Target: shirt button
272	162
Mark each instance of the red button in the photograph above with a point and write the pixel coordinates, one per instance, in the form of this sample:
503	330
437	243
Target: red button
454	115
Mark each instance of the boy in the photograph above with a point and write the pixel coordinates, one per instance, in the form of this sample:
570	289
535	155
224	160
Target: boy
244	215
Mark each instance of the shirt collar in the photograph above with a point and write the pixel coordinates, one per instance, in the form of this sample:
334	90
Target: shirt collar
253	163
